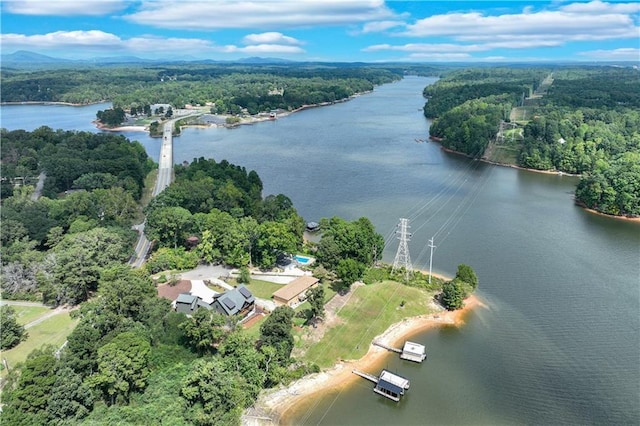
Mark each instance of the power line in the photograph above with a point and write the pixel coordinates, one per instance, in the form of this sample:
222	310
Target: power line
403	260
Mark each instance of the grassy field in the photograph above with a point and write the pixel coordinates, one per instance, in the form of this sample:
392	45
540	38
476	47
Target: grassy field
370	311
26	314
263	289
52	331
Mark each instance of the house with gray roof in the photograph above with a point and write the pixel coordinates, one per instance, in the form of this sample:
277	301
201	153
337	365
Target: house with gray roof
238	301
188	303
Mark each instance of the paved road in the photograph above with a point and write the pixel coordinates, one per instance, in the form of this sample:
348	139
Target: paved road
164	179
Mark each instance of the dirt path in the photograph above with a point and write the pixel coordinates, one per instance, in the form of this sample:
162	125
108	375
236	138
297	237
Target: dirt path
56	311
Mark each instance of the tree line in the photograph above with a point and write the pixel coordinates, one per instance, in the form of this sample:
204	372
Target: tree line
586	123
229	89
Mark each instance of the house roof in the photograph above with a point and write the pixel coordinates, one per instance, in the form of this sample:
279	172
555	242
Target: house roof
414	348
232	301
395	379
295	287
187	299
390	387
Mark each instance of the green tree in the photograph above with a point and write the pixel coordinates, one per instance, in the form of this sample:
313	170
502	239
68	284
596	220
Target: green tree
466	274
168	225
78	262
239	354
274	238
123	367
315	296
70	398
11	333
276	331
215	395
244	277
452	295
124	292
205	330
355	240
349	271
27	402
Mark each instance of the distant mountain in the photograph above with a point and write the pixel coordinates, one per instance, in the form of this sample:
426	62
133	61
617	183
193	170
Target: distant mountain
25	57
259	60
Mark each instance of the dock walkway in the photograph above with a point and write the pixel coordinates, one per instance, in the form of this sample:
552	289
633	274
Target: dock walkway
387	347
364	375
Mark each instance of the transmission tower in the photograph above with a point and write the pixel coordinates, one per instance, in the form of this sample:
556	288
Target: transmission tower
402	259
431	257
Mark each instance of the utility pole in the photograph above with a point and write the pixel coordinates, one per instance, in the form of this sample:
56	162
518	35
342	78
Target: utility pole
431	257
402	259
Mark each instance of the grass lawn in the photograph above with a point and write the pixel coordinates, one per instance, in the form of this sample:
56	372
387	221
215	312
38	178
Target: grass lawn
53	331
370	311
505	154
26	314
263	289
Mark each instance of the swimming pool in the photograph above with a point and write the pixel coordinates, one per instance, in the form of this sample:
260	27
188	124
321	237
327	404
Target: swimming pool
303	259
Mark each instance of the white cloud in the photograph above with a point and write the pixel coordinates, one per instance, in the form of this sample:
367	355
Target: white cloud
545	26
378	26
622	54
199	15
84	43
63	7
600	7
271	38
452	47
61	39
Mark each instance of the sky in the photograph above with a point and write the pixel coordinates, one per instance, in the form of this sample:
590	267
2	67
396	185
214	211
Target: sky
326	30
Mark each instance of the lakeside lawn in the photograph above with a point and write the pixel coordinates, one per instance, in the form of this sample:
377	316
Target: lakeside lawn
52	331
26	314
370	311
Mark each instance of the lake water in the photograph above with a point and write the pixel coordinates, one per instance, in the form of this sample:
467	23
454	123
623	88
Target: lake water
560	340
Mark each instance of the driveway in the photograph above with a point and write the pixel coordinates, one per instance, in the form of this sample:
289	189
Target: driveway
205	272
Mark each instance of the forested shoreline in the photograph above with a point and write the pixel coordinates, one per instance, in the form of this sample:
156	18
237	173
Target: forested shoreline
229	89
572	120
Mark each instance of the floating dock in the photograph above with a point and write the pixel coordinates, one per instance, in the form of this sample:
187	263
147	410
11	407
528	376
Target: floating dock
411	351
388	384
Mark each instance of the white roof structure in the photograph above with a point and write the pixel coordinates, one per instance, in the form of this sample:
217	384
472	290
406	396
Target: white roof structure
394	379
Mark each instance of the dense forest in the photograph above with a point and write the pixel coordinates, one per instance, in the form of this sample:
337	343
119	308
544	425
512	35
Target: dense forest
228	88
574	120
72	161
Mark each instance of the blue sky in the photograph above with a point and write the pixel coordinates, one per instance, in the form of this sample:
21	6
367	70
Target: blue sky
326	30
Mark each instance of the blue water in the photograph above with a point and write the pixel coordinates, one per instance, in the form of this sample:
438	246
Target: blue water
559	342
302	259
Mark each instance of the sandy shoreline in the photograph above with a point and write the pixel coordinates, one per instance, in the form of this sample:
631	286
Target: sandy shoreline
278	403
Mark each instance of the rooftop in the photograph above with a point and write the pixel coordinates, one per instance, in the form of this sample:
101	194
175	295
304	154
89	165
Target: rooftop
295	287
